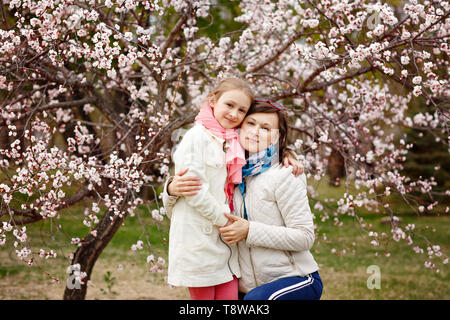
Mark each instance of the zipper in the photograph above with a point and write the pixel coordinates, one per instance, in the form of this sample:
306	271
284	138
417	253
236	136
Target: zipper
249	248
253	266
229	257
229	248
291	260
220	236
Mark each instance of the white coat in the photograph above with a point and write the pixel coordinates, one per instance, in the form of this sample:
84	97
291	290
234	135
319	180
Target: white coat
281	231
198	256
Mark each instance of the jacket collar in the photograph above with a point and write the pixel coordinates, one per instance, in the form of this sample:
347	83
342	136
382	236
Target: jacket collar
213	137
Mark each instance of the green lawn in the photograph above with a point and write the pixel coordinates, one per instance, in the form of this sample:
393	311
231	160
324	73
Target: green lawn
344	252
403	274
17	276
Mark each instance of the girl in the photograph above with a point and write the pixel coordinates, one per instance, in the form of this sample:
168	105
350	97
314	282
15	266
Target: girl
272	223
198	258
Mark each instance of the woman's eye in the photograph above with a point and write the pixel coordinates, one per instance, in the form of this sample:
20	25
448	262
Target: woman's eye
242	111
267	129
250	123
229	105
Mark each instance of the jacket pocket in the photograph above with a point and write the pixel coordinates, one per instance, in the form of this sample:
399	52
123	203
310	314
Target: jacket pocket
189	260
202	253
214	156
189	247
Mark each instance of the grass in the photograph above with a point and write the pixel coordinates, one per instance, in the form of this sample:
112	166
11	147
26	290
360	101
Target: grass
344	253
132	279
403	274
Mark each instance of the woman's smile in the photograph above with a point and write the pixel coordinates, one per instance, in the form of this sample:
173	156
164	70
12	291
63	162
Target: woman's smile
252	140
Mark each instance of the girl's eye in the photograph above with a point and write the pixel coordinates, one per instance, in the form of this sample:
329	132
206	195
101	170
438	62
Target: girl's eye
229	105
267	129
250	123
242	111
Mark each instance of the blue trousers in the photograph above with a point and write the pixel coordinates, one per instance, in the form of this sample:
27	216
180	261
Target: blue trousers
290	288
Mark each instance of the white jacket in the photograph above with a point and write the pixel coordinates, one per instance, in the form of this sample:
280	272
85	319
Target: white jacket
281	229
198	256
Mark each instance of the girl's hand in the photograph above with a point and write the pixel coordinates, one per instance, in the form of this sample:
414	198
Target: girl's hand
184	186
289	159
235	232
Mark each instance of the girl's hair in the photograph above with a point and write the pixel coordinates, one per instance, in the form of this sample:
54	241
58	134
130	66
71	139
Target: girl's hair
228	84
264	107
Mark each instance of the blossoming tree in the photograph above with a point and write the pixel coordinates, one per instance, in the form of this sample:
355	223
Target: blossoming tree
113	79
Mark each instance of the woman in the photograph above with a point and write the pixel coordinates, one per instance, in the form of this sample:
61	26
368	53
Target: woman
272	222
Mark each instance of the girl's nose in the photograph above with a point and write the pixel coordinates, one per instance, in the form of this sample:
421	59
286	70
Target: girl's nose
233	113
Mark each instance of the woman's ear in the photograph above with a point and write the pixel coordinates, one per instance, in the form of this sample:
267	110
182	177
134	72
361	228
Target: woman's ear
275	136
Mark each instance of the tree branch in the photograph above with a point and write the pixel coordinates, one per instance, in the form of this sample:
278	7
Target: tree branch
155	144
296	36
5	22
34	216
175	31
328	83
63	105
316	73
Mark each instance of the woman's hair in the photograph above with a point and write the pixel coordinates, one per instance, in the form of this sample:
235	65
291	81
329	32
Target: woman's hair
264	107
228	84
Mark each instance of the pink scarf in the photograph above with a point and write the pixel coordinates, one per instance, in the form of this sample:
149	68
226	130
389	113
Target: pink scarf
235	156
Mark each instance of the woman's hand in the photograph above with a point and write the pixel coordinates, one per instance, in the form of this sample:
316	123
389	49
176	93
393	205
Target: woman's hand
289	159
184	186
235	232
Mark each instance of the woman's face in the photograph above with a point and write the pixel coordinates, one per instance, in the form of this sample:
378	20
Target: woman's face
259	131
231	108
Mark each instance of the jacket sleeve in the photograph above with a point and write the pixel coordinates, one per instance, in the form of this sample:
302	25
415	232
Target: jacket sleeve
292	202
168	200
191	153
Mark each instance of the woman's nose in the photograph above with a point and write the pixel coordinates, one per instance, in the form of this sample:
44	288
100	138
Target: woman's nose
255	131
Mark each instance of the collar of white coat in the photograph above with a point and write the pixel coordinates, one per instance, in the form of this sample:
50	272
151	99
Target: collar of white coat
213	137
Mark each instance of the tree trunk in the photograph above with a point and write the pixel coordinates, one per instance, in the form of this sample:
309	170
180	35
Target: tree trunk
91	248
336	168
4	139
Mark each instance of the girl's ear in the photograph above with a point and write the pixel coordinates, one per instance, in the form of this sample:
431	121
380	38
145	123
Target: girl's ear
212	100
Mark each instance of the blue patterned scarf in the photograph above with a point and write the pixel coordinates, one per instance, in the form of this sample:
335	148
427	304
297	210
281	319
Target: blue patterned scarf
256	164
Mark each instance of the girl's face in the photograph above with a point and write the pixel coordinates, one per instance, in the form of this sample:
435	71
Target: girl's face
231	108
259	131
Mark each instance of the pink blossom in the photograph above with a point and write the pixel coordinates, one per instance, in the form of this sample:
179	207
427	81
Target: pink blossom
404	59
417	90
417	80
